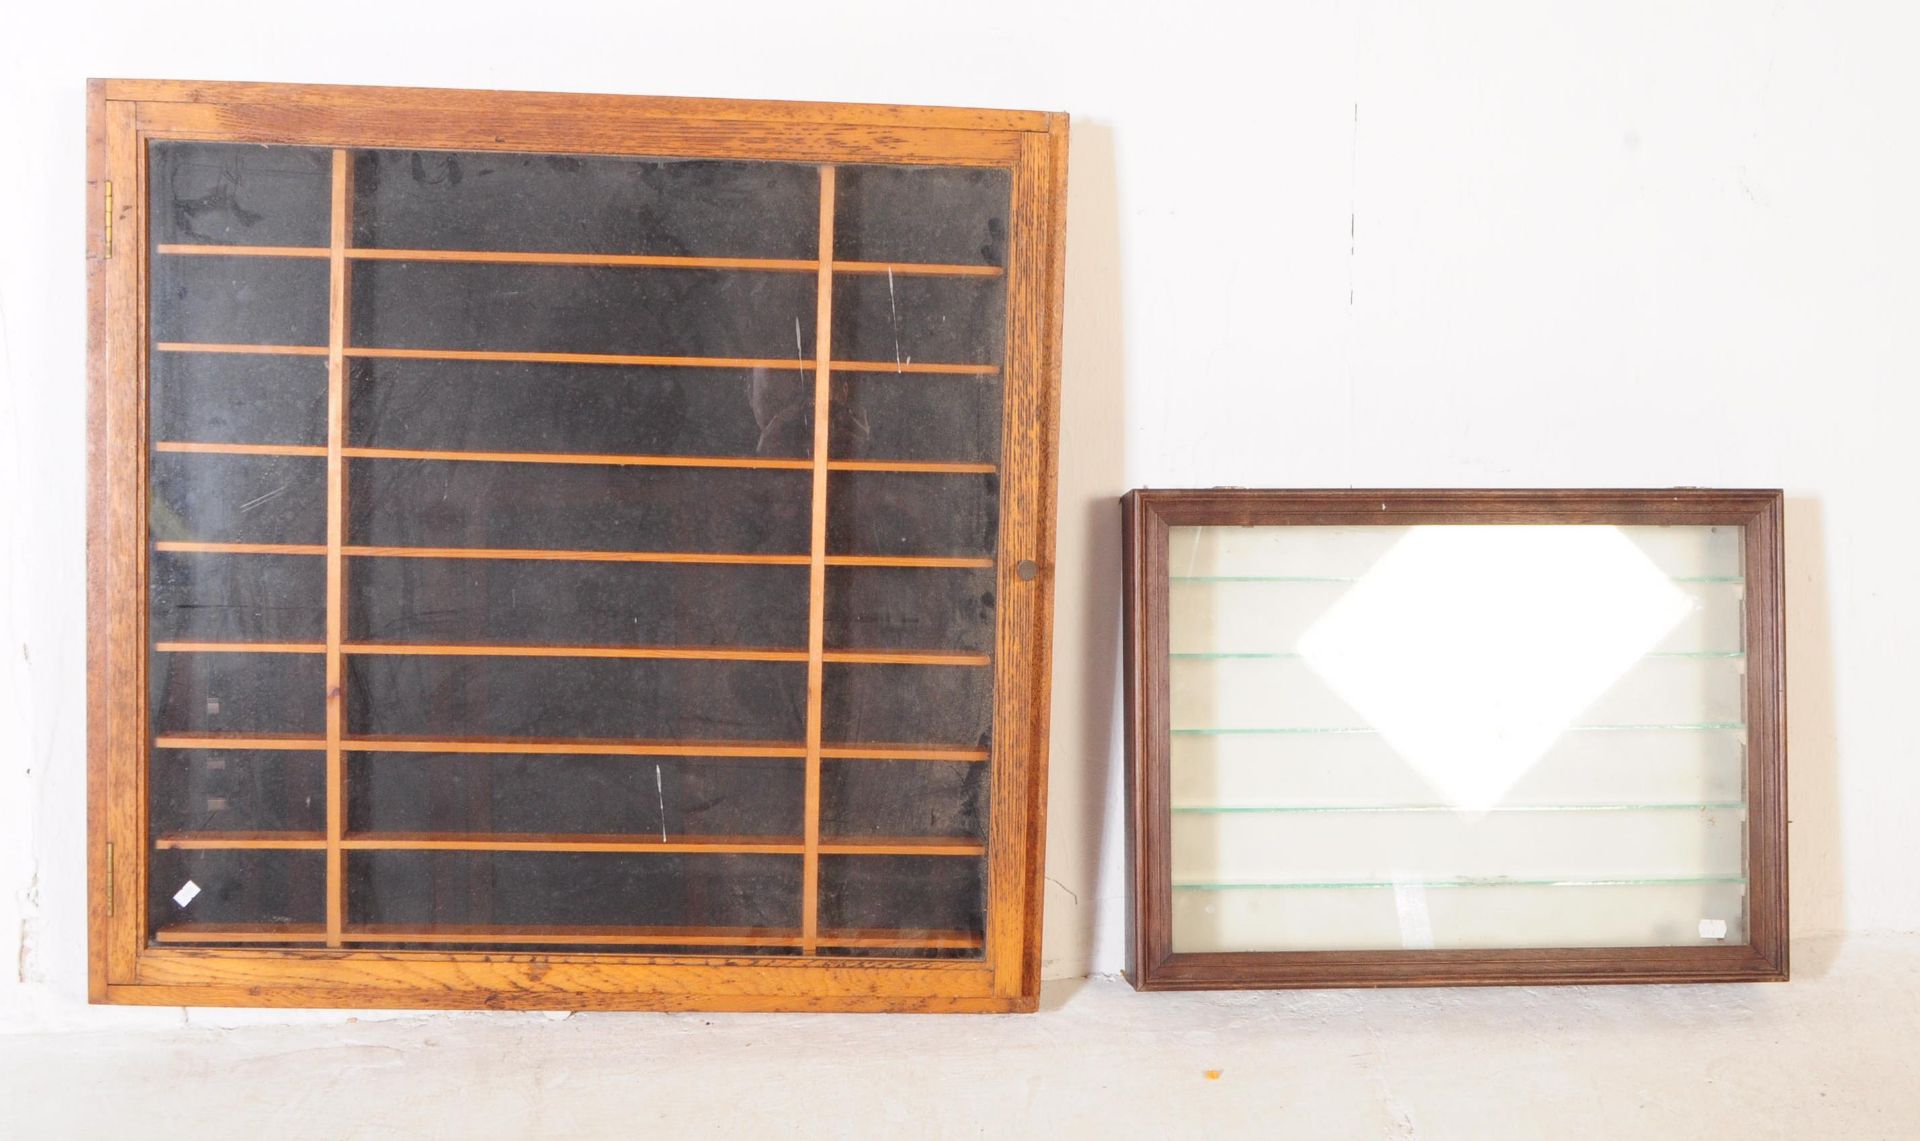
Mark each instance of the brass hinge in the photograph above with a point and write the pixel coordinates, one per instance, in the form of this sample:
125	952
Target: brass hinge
109	877
107	238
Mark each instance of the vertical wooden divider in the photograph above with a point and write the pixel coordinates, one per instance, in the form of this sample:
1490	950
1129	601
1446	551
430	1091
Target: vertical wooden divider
817	565
337	308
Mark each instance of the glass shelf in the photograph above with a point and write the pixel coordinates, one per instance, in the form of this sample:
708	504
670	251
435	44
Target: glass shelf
1673	881
1707	578
1706	726
1705	806
1729	655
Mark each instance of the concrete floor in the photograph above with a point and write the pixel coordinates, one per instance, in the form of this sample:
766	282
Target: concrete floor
1836	1053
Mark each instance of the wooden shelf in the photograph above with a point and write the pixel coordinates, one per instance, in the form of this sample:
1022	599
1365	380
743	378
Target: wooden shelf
580	935
887	752
784	364
880	939
174	546
852	938
563	842
572	747
539	257
235	841
673	653
241	933
239	647
590	459
248	741
573	842
900	846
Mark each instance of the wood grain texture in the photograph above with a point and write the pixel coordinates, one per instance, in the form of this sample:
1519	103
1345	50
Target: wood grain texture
581	936
817	563
1017	790
633	112
636	261
115	520
517	553
185	967
590	459
507	128
1152	964
244	841
239	647
339	307
890	751
645	653
624	359
570	842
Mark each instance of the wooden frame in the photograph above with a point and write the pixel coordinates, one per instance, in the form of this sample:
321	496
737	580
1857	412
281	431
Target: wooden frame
125	967
1152	963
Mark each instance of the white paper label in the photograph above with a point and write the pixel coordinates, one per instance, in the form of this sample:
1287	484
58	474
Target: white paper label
1416	925
1713	929
186	893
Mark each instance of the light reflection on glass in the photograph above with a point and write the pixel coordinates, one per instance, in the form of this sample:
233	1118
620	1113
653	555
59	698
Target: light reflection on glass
1472	648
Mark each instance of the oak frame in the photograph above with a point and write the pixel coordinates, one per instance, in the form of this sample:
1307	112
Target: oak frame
123	115
1151	962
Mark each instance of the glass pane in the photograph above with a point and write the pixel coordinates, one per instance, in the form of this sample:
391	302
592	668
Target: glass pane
575	698
266	890
223	300
252	499
596	409
571	621
910	608
612	892
206	597
938	899
239	194
442	200
594	507
535	601
611	796
925	798
238	398
943	419
238	790
241	693
938	515
937	705
921	214
1456	736
582	309
900	319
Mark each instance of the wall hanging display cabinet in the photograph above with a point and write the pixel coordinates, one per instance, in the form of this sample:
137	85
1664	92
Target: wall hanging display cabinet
568	551
1383	738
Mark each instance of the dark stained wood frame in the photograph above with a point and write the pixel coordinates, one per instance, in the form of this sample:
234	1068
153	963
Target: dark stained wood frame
1151	961
125	967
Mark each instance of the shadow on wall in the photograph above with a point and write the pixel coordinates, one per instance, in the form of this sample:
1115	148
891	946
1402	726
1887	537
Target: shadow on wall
1082	924
1816	893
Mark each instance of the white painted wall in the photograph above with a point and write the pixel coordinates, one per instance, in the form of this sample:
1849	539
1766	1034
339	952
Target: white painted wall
1331	244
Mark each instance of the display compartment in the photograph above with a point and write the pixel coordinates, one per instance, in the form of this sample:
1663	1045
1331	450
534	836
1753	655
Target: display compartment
577	572
1414	737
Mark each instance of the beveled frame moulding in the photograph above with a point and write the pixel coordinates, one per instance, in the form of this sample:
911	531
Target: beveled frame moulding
126	965
1152	962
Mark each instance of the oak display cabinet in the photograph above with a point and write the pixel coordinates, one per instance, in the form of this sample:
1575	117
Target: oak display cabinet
568	551
1398	738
